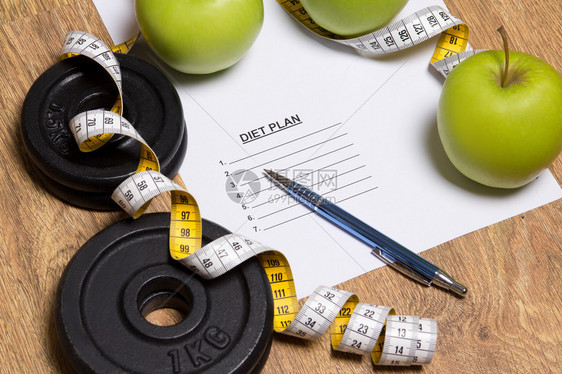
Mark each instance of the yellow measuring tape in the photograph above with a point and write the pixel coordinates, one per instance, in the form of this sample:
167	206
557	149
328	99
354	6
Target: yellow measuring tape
355	327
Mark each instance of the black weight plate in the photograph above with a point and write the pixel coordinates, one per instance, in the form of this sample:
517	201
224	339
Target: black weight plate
77	84
88	199
125	270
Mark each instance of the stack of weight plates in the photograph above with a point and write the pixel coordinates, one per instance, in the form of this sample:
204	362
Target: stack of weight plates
78	84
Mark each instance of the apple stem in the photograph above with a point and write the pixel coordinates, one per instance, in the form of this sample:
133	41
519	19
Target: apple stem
503	34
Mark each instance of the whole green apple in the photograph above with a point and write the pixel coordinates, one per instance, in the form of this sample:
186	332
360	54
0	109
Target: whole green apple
501	128
352	17
199	36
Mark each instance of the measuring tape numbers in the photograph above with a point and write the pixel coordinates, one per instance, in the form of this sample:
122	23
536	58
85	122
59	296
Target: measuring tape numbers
354	327
423	25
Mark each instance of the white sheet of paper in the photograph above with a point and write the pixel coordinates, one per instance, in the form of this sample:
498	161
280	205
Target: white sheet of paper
361	131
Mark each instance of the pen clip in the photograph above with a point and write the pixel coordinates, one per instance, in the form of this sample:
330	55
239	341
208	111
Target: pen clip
389	260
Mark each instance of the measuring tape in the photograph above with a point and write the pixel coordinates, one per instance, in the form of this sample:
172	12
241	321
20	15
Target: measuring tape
354	327
424	24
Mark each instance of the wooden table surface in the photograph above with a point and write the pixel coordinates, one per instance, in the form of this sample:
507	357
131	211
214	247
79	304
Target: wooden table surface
509	322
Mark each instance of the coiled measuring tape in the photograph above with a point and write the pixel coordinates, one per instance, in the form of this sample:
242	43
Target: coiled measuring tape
355	327
423	25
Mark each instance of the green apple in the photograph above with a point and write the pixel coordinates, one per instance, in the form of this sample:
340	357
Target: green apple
352	17
199	36
501	126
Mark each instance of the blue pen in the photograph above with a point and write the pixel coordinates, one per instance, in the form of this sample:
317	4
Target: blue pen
384	248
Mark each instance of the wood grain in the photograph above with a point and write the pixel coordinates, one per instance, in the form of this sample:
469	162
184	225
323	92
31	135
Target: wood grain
509	322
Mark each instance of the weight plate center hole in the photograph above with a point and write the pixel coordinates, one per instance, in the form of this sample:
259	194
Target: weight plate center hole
164	302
